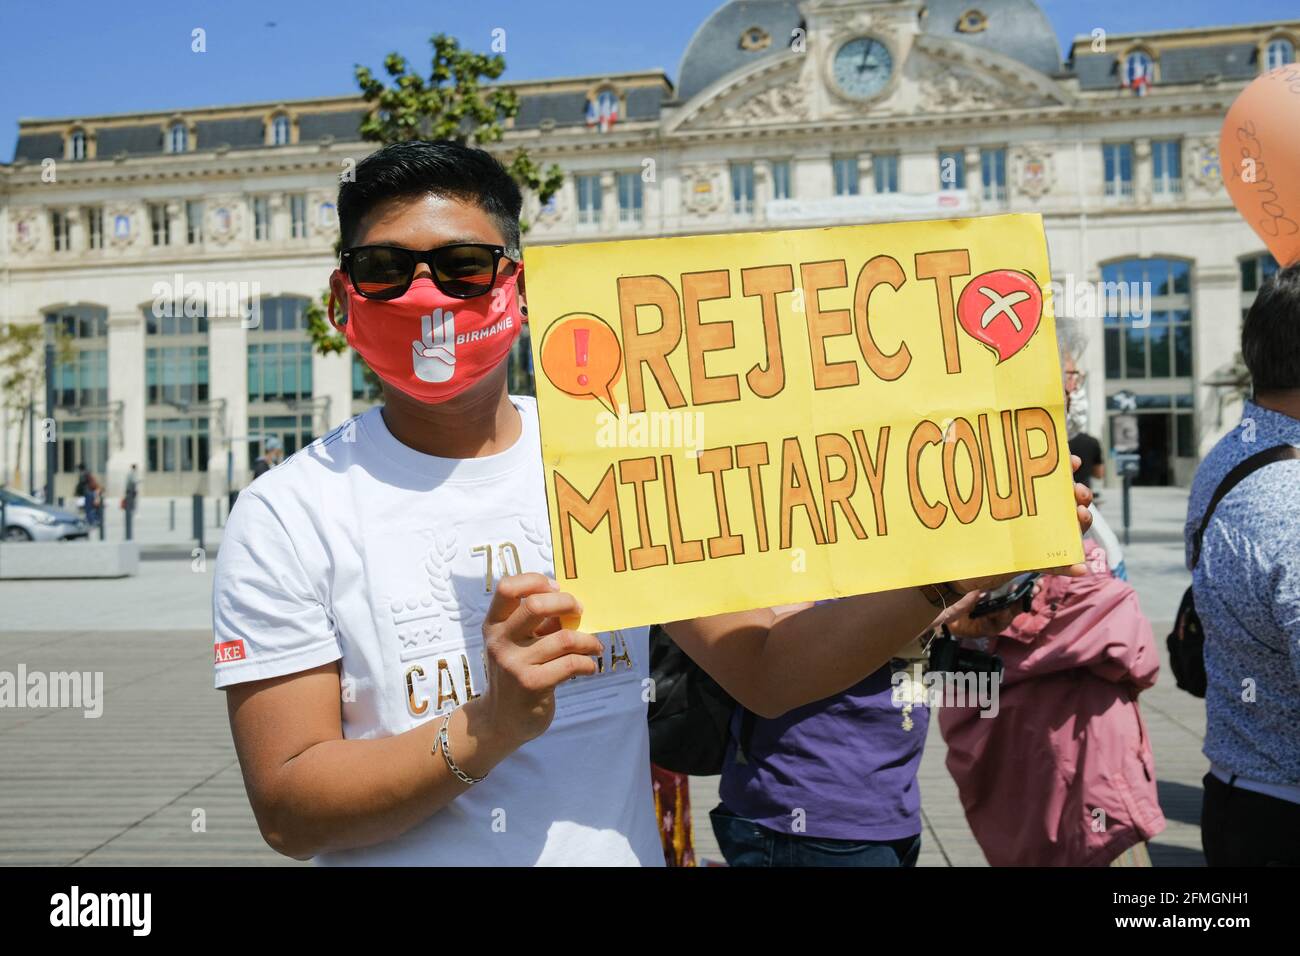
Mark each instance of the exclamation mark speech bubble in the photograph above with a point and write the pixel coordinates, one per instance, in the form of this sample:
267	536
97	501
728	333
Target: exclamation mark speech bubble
581	339
581	356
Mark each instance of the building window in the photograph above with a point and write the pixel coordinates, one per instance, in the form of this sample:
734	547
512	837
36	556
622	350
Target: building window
160	224
83	442
60	230
845	169
298	216
94	217
261	218
177	444
294	431
884	168
279	371
952	170
82	380
365	388
630	207
280	131
588	199
77	145
742	189
993	175
193	221
1162	347
781	183
178	139
1117	160
176	358
279	353
1255	271
1167	167
1280	52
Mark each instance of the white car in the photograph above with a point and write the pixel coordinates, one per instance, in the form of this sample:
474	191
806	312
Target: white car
27	519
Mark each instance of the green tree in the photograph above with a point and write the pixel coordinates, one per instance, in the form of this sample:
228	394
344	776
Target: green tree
454	103
22	374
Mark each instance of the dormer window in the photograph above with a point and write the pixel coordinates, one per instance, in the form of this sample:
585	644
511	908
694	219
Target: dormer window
1280	52
77	145
178	138
603	109
280	130
1138	72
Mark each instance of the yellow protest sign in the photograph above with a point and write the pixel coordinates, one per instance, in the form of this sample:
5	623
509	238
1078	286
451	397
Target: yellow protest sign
739	421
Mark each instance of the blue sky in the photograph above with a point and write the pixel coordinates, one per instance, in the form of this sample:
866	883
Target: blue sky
83	57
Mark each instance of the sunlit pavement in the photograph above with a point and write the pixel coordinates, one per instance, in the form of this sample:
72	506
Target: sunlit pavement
154	781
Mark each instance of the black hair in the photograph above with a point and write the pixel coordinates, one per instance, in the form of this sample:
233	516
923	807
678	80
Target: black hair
440	168
1270	336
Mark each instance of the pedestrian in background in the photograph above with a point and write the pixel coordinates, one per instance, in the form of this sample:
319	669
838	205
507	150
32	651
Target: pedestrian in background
1246	587
272	452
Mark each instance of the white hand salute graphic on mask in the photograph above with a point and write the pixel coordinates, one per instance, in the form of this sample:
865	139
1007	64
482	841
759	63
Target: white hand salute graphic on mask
434	354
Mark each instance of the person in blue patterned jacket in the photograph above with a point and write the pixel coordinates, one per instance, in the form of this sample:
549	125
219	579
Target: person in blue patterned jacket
1247	592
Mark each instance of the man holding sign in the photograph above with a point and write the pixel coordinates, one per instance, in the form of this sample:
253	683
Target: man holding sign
406	683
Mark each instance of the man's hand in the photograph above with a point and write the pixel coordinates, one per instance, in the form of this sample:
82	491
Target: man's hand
986	625
1082	499
528	653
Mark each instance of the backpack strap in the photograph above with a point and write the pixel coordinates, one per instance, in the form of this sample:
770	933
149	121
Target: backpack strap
1243	469
747	720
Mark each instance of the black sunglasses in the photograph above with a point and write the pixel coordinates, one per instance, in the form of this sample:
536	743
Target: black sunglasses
462	270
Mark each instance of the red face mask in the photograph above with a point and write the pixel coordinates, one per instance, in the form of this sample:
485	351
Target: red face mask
428	344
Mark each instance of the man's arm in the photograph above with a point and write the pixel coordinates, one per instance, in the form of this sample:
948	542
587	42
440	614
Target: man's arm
313	791
772	665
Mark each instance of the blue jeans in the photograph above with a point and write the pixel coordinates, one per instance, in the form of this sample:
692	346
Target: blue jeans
746	843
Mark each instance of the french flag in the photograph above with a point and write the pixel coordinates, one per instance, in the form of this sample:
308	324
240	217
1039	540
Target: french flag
602	111
1137	76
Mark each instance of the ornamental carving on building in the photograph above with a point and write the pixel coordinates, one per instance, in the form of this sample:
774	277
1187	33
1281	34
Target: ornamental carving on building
776	104
224	220
119	223
944	89
323	215
27	230
1031	171
1204	169
703	190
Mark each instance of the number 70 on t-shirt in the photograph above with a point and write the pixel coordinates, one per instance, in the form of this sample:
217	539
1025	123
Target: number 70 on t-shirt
507	554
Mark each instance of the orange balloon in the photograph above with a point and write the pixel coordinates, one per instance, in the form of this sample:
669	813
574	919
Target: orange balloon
1259	156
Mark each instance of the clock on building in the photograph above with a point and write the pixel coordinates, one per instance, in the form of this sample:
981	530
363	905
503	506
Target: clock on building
862	67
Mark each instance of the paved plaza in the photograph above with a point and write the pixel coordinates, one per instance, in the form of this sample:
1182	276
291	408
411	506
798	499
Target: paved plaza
155	781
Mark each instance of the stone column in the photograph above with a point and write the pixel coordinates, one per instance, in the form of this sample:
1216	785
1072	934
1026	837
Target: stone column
126	384
974	178
1142	176
762	188
608	201
1216	338
228	381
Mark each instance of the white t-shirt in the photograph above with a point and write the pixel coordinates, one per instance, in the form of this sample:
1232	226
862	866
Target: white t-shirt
361	550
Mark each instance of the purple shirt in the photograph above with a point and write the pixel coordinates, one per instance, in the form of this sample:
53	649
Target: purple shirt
846	761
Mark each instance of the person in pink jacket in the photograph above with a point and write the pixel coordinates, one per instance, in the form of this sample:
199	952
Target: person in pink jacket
1061	774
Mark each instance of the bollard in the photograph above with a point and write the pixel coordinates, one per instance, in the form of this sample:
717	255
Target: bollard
198	520
103	520
129	513
171	515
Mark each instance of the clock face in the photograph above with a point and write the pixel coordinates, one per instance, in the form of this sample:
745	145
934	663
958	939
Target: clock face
862	67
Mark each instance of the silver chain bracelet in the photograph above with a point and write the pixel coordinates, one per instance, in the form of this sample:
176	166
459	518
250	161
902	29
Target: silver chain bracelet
441	743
